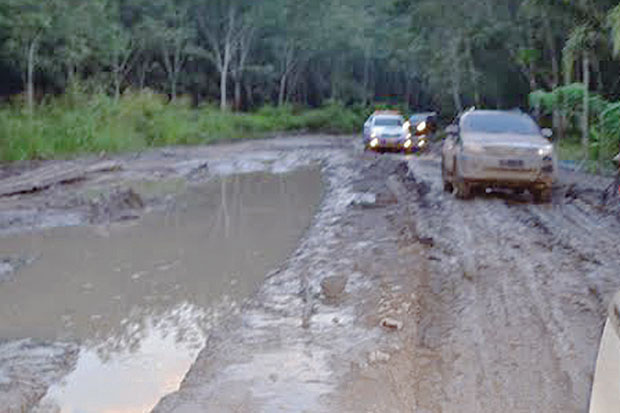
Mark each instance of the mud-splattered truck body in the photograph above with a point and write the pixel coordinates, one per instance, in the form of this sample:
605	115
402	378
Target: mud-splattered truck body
491	148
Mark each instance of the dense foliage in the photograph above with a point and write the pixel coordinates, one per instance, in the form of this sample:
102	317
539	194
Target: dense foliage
422	54
78	123
240	53
443	53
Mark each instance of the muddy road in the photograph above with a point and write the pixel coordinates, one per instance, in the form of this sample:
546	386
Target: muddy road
390	296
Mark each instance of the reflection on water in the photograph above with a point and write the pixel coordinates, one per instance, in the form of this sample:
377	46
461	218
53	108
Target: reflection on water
151	366
140	297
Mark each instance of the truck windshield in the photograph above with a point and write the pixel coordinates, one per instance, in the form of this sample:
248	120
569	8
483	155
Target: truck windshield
388	122
499	123
419	117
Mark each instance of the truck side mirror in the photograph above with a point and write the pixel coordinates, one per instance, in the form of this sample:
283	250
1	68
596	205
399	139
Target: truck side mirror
547	133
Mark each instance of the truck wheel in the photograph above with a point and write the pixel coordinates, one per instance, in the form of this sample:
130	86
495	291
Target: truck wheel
542	195
463	189
447	185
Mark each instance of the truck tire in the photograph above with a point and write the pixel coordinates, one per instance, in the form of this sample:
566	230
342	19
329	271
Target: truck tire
463	188
542	196
447	185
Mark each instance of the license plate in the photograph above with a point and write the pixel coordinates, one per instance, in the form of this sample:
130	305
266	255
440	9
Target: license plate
511	163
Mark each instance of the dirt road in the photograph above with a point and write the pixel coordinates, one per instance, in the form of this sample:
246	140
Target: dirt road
491	304
513	300
399	298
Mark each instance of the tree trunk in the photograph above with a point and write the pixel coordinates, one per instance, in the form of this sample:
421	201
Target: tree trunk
456	98
334	86
532	77
249	99
596	66
599	162
472	71
557	119
291	86
117	76
586	101
456	92
366	75
335	79
71	70
32	49
223	102
173	88
281	93
237	93
224	81
407	90
142	76
455	74
555	66
117	87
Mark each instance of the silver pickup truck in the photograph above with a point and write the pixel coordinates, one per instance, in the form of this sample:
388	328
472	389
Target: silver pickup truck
493	148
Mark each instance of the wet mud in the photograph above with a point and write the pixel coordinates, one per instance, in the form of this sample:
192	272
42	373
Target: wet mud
137	299
398	297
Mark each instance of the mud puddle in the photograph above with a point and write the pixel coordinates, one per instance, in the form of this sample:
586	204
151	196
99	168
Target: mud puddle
140	297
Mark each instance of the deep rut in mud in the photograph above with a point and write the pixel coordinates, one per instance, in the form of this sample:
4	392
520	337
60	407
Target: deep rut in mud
521	298
399	297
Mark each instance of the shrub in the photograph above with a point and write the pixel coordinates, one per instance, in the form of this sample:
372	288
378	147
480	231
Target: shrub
604	120
78	123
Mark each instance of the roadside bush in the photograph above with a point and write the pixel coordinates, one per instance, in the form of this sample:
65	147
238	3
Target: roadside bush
604	121
80	123
333	118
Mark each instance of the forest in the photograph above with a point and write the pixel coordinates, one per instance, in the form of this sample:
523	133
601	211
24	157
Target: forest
289	58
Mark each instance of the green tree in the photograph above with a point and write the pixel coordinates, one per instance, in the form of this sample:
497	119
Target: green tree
221	23
171	32
29	22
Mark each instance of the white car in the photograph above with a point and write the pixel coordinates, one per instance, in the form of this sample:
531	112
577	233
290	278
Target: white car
387	130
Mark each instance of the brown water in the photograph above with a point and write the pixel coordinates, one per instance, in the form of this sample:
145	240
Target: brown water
140	297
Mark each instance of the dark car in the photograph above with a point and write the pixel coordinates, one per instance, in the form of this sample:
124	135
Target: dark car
423	126
424	123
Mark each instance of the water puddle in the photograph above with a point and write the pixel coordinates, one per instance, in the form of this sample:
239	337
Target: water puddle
140	297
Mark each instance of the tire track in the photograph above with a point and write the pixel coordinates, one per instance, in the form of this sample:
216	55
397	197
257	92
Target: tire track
528	333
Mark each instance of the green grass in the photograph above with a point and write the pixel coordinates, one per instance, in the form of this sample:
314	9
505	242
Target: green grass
569	149
78	124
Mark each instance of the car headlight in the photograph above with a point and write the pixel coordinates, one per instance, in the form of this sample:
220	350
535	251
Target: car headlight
406	125
374	143
408	144
545	150
421	126
421	142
